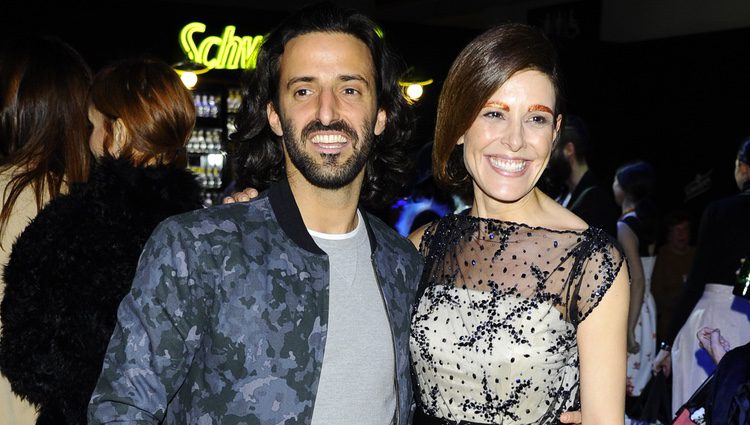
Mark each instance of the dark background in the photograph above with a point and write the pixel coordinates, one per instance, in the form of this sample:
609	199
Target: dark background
679	102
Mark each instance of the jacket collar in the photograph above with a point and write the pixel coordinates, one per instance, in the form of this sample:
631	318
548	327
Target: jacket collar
587	180
286	210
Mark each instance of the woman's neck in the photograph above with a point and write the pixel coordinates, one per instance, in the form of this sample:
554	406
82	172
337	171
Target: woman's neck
524	210
628	206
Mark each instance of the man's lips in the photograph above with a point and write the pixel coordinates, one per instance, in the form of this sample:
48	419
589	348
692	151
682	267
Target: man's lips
329	143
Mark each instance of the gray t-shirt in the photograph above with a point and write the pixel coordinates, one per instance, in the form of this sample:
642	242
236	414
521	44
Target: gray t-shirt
357	378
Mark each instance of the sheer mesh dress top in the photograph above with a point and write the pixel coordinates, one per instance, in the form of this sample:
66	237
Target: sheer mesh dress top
493	336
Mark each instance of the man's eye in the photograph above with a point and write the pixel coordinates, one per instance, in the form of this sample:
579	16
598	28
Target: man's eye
301	92
350	90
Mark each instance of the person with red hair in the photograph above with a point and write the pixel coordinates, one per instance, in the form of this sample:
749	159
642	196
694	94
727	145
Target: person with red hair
75	261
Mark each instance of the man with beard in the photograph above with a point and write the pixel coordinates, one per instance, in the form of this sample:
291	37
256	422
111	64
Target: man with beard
295	307
581	192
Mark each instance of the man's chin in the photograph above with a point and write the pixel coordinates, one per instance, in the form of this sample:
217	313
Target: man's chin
329	182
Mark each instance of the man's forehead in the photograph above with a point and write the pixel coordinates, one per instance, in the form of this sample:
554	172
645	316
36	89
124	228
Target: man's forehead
336	54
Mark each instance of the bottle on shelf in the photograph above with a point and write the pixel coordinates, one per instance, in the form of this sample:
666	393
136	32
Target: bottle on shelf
233	101
742	283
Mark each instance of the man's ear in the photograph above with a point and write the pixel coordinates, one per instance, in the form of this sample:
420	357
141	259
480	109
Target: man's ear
273	120
569	150
745	170
119	137
380	121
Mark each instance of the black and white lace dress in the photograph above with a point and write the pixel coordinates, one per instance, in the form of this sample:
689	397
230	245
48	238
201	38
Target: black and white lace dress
493	337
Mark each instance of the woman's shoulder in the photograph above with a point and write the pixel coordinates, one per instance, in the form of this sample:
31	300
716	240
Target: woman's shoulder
426	231
416	236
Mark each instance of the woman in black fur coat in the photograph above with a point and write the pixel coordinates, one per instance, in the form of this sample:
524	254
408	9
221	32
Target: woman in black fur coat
73	264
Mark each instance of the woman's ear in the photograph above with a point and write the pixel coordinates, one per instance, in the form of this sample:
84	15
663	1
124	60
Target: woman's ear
556	131
119	137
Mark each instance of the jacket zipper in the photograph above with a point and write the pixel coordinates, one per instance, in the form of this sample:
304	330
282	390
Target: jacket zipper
393	340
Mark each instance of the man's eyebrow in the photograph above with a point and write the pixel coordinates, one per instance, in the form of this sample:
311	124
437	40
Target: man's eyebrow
354	77
343	77
295	80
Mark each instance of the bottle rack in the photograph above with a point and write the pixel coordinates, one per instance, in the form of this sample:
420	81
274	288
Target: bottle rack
206	147
207	155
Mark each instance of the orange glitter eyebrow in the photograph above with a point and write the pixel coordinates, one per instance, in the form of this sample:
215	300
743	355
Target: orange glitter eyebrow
498	105
542	108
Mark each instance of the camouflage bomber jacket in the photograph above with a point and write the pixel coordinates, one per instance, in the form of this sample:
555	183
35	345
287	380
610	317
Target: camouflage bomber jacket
226	319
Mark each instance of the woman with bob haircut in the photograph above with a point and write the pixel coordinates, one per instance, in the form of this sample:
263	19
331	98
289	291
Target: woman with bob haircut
75	261
521	312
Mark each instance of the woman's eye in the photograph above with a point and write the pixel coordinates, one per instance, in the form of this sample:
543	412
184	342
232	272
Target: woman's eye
493	114
539	120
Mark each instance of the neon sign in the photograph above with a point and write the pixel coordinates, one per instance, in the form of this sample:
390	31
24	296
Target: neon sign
226	52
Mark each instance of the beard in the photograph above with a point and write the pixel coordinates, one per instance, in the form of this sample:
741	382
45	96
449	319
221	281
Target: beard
558	170
333	173
555	176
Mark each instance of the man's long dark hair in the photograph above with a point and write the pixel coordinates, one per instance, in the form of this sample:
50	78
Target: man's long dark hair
258	152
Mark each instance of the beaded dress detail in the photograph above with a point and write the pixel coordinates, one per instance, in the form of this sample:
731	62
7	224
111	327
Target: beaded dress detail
493	336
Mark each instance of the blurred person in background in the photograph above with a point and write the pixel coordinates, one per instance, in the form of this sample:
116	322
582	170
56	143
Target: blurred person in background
75	261
636	232
673	261
43	132
724	397
707	299
581	191
729	399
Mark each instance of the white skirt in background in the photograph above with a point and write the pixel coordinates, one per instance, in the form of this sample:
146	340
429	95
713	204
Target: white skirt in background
691	365
641	363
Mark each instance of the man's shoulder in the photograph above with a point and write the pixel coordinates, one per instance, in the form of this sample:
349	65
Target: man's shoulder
227	218
389	237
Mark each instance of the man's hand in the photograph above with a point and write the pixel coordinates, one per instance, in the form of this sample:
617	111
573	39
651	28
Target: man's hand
571	417
244	196
663	363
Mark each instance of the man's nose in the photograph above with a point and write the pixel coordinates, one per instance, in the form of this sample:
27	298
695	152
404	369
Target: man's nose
328	107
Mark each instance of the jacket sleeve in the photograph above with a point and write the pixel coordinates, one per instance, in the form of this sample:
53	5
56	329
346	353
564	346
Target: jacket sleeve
155	338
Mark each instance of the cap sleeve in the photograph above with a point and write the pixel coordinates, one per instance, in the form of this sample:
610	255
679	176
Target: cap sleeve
602	263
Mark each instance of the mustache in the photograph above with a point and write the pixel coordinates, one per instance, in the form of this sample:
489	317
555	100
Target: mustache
339	126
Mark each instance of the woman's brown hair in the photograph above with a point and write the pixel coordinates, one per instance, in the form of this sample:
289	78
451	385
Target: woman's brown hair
43	119
154	106
484	65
